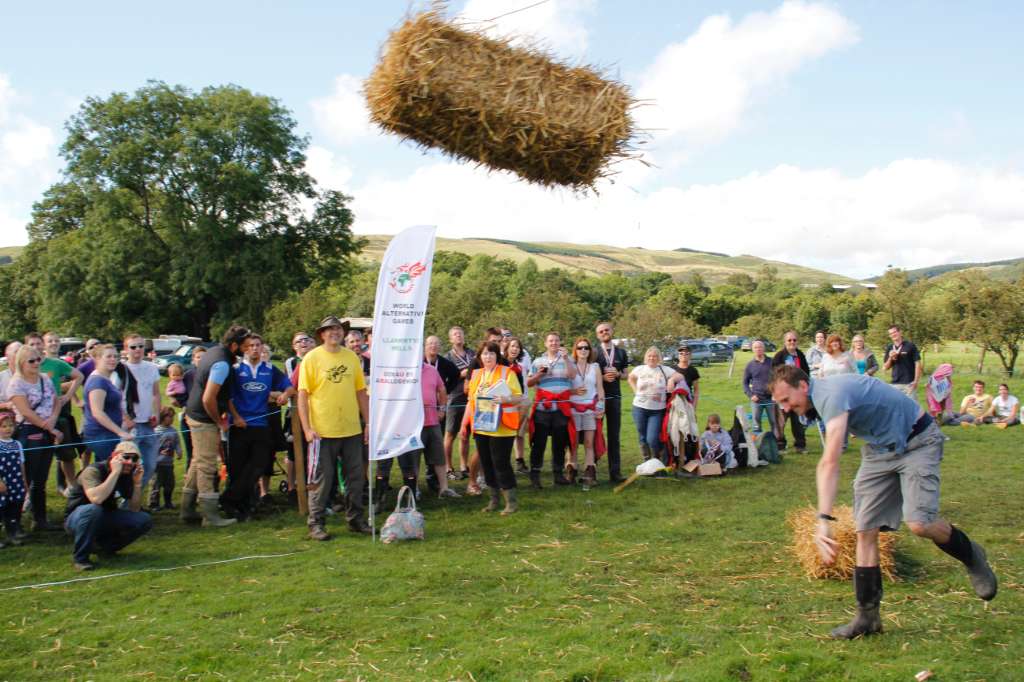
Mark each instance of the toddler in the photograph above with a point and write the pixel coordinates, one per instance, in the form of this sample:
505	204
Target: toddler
176	386
168	448
13	481
716	445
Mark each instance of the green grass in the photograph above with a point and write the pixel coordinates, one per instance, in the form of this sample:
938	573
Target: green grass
668	580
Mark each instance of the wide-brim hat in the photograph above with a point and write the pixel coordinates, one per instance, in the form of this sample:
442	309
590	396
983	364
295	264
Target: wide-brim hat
332	321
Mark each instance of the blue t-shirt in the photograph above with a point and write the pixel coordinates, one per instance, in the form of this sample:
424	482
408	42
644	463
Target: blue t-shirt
111	407
880	414
251	390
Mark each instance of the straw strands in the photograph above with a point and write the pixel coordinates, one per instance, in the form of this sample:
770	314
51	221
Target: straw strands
804	522
509	108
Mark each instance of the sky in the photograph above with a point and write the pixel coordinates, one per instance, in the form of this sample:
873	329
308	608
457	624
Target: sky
846	136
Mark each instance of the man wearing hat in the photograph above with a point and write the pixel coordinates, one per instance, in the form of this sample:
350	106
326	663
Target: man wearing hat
95	518
332	398
206	418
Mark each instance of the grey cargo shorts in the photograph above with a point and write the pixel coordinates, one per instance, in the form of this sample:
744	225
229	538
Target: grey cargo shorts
890	487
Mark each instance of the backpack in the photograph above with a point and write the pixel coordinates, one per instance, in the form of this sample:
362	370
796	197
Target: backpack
739	442
768	448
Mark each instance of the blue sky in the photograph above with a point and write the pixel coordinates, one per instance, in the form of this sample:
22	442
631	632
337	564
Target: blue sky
846	136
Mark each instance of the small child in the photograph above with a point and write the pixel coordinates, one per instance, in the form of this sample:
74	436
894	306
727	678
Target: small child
716	444
176	386
168	447
13	481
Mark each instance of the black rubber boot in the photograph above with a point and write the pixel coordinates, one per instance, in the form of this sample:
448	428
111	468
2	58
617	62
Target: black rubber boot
867	583
535	479
972	555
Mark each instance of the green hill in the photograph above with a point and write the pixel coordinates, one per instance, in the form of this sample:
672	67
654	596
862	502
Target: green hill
1006	270
599	260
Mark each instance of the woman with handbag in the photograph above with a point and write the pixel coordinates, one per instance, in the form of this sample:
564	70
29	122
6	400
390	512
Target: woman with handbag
36	411
492	413
519	362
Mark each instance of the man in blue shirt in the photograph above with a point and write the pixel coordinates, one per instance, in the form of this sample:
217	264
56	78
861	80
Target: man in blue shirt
898	479
250	441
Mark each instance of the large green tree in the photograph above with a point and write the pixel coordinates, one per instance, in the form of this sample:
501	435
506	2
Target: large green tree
180	211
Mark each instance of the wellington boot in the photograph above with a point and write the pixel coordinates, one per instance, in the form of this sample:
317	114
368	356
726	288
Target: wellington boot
211	514
535	480
867	622
494	501
983	579
188	507
511	501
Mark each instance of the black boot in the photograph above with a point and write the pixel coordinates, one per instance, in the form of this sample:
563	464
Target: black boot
972	555
867	583
535	479
411	482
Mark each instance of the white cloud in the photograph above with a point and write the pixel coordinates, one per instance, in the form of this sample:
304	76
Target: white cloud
910	213
28	163
329	171
557	24
343	115
701	88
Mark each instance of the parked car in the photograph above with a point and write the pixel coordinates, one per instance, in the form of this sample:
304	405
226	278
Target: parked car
769	347
182	355
700	354
720	352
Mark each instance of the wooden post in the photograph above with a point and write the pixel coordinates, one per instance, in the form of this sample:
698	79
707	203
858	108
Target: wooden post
732	363
300	463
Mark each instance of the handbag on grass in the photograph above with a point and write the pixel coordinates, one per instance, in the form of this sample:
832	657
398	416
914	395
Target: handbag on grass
405	523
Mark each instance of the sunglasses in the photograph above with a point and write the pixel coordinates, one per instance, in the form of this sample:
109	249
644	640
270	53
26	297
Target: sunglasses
34	361
582	347
135	347
305	340
129	457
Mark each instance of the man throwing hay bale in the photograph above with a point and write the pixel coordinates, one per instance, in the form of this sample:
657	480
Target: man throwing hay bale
898	479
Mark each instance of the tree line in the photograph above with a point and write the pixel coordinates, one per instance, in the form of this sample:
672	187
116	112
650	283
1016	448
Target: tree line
183	211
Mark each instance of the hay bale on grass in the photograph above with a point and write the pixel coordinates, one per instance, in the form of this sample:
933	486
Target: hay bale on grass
505	107
805	521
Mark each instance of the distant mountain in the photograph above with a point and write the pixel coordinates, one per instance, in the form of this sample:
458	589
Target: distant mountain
1007	270
600	260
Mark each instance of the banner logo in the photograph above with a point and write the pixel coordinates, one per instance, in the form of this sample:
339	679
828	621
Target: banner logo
403	278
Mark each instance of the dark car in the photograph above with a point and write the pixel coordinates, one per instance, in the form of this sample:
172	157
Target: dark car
769	347
182	356
720	352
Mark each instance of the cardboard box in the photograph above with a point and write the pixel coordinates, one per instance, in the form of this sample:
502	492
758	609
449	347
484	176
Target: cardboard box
713	469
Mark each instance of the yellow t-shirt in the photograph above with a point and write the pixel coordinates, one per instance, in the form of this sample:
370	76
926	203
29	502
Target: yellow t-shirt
481	380
332	380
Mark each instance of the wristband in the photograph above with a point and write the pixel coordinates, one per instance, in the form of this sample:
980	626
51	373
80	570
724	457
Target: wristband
826	517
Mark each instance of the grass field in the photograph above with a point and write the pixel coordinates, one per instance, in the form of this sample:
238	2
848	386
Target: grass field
668	580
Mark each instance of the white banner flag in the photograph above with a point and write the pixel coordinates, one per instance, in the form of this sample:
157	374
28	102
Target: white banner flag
396	401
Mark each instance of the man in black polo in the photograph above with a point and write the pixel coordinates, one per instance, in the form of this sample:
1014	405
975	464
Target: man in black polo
791	355
904	360
93	516
613	362
206	417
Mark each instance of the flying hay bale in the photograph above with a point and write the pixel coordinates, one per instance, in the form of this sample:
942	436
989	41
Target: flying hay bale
804	522
508	108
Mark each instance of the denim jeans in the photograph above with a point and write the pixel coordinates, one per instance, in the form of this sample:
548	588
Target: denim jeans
765	407
94	527
149	447
648	428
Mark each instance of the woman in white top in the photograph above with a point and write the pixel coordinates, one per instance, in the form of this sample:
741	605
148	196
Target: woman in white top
587	405
836	360
650	385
